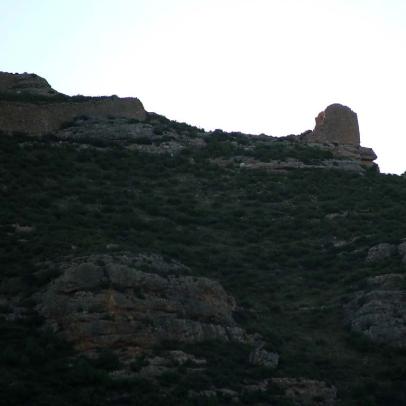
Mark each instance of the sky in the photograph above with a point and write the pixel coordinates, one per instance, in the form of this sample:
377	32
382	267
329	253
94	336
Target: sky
255	66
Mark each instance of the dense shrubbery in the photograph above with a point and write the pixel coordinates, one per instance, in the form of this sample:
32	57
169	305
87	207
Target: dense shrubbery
162	124
230	145
44	99
283	150
267	237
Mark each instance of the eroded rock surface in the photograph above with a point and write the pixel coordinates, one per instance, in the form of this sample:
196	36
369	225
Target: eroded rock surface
299	391
337	130
261	357
379	311
133	134
307	392
132	303
25	83
379	252
337	124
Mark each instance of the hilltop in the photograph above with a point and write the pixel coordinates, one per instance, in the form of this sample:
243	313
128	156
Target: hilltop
147	261
29	106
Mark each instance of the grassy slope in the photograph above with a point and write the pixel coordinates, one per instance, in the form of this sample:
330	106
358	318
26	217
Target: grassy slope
265	236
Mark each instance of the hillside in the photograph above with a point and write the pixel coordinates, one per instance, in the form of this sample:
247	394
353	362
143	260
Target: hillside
148	262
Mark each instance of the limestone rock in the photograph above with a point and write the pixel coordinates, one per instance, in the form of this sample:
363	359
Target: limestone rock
25	83
299	391
226	395
181	358
380	252
264	358
291	163
402	251
379	311
169	362
127	304
337	124
307	392
367	155
337	131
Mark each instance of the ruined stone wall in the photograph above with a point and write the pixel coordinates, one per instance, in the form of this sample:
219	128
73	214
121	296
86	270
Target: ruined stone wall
39	119
336	124
337	130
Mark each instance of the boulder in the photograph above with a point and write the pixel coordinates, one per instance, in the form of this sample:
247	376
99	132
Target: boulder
169	362
129	304
367	155
379	252
378	312
261	357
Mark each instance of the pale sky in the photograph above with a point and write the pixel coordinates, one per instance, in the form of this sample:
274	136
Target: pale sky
256	66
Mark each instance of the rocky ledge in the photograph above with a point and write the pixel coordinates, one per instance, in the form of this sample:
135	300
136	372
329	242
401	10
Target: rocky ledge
337	130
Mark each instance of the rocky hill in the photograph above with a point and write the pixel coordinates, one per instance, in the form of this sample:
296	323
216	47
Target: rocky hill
146	261
25	84
28	105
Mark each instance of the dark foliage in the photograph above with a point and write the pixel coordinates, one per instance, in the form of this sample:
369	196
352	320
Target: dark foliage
267	237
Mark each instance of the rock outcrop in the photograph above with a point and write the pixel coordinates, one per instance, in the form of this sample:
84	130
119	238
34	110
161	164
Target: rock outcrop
307	391
384	250
299	391
337	130
378	312
25	83
132	303
261	357
337	124
379	252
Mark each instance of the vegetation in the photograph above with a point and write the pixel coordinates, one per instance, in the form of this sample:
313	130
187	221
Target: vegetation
289	246
45	99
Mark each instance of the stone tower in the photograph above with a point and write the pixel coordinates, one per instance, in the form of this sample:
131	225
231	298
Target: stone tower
337	124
